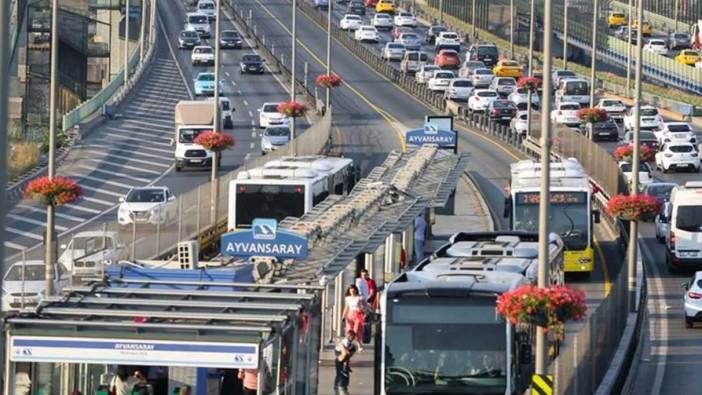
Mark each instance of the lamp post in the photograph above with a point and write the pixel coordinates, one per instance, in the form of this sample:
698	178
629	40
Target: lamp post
532	20
214	194
4	97
293	75
565	35
329	20
511	29
126	43
474	32
593	60
142	30
50	236
628	53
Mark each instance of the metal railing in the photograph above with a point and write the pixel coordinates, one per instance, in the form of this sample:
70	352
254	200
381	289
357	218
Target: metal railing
658	21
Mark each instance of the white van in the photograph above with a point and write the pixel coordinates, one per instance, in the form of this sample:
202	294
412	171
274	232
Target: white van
575	91
684	239
207	7
199	23
412	61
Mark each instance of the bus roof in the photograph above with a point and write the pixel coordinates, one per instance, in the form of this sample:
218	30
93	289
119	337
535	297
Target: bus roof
565	173
289	170
448	284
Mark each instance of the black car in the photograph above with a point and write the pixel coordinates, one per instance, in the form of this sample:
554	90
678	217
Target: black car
646	138
484	52
230	39
251	64
357	8
605	130
188	39
501	111
432	33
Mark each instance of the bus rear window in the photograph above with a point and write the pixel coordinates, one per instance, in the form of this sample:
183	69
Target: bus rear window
268	201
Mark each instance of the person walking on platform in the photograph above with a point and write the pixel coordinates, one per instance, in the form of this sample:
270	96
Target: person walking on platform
250	380
345	349
420	229
354	312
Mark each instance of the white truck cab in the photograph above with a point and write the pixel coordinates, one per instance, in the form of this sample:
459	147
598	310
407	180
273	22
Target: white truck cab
684	238
192	117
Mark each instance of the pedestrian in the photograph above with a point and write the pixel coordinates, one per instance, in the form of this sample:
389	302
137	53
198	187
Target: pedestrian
420	229
362	286
141	387
121	382
250	379
345	349
354	312
373	302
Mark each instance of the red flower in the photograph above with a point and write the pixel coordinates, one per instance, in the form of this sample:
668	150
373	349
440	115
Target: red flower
328	80
633	207
592	114
56	192
292	109
214	141
530	83
626	153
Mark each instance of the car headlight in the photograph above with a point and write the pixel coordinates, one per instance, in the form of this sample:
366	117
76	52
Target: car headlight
123	210
266	144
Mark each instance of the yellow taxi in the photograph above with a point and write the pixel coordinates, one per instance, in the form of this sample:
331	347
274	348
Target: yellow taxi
688	57
508	68
386	6
616	19
646	29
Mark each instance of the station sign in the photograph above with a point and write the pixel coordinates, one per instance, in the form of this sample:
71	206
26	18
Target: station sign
264	239
437	130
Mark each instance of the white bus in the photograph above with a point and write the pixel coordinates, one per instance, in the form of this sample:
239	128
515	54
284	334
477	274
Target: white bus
288	187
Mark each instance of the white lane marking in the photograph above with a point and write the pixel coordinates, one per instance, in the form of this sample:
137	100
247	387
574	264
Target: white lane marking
253	134
663	335
109	182
103	191
247	156
239	91
14	246
114	173
59	215
137	169
33	221
186	83
98	201
253	122
246	103
251	114
23	233
253	145
146	162
110	144
81	208
228	75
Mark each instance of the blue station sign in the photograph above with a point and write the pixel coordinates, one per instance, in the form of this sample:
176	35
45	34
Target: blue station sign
431	134
264	239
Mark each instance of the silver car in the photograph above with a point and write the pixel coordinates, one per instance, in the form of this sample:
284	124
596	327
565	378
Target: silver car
393	51
468	66
482	77
504	85
274	137
411	41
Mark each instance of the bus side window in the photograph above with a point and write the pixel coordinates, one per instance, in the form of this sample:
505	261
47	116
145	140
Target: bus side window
319	197
339	189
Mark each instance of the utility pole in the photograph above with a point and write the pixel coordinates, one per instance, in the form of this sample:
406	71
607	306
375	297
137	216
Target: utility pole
50	236
126	43
541	345
293	75
511	29
4	118
565	34
142	31
474	31
628	53
216	118
532	19
633	225
593	56
675	13
441	12
327	104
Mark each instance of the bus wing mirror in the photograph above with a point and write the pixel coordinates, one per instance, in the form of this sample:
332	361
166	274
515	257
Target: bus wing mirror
685	286
508	207
524	353
596	216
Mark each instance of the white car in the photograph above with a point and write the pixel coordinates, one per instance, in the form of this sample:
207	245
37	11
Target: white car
565	114
202	54
89	252
440	80
657	46
693	300
147	205
482	77
393	51
459	89
447	40
481	99
675	132
350	22
644	173
405	19
650	118
207	7
468	66
198	22
366	33
24	285
615	108
520	98
268	115
382	21
504	85
425	72
677	156
698	65
519	123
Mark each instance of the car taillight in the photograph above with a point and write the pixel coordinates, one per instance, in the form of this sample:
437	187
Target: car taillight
495	112
694	295
672	240
559	112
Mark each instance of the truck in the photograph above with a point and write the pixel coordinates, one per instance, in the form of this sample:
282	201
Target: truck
87	253
193	117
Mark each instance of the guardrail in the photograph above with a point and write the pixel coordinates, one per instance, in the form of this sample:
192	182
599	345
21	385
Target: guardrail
658	21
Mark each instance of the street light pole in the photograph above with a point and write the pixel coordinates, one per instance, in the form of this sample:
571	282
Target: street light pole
532	20
441	12
126	42
511	29
675	13
565	34
329	20
541	345
49	239
293	74
142	30
474	32
4	97
214	194
628	53
633	225
593	55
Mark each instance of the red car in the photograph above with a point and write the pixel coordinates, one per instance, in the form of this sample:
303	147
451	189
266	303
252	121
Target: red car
448	59
370	3
397	31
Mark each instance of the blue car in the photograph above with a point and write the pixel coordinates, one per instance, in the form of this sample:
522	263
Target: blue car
204	85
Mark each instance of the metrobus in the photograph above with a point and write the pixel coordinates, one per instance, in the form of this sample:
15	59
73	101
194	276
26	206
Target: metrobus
287	187
571	215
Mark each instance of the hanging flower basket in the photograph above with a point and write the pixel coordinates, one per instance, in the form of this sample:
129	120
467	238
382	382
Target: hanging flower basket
328	80
214	141
548	307
56	192
292	109
626	153
530	83
633	207
591	115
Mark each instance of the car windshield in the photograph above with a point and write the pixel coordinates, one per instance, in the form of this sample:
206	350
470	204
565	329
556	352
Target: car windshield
487	51
438	29
680	36
188	34
31	273
462	83
487	94
483	72
689	218
659	43
576	88
502	104
197	19
409	36
510	64
612	103
473	64
251	58
506	81
146	196
205	77
450	36
91	244
523	116
353	17
395	45
443	75
626	167
645	136
679	127
204	50
206	6
382	16
368	28
567	107
661	191
277	132
690	53
617	15
230	34
648	112
270	107
681	148
565	73
187	136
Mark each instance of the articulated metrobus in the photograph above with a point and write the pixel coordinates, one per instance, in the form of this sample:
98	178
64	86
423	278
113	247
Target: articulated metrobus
571	215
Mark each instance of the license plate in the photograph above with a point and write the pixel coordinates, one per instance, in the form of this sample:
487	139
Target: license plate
506	117
196	160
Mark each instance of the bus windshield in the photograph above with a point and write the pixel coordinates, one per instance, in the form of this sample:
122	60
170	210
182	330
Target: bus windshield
427	349
268	201
569	216
577	88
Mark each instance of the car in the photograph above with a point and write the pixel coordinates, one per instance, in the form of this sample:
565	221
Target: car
230	39
693	300
350	22
199	23
413	60
204	84
676	156
659	191
646	28
393	51
405	19
152	205
558	75
650	118
679	40
425	73
432	32
484	52
645	176
688	57
683	244
202	54
268	116
357	8
565	114
519	123
321	4
622	33
447	40
468	66
24	285
603	130
382	21
616	19
370	3
88	252
252	64
576	90
504	86
447	59
440	80
520	98
398	30
188	39
274	137
480	99
646	137
698	65
459	89
615	108
657	46
366	33
226	111
482	77
207	7
411	41
508	68
675	132
661	222
385	6
501	111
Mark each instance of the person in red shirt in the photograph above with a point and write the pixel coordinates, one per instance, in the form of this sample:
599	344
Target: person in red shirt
250	379
373	299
